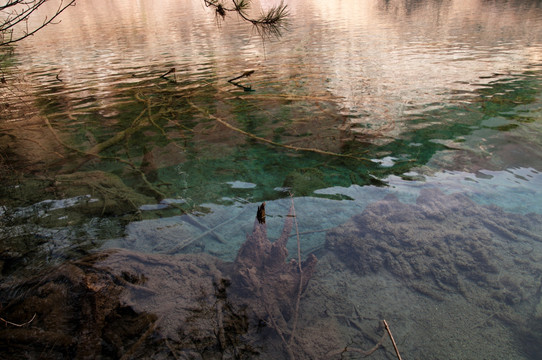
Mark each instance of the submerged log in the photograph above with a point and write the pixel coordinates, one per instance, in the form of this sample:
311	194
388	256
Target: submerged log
261	273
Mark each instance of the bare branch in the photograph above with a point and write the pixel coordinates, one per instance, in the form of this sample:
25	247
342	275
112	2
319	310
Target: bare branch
17	16
19	11
16	324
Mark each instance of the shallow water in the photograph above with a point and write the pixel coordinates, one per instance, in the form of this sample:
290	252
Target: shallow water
359	100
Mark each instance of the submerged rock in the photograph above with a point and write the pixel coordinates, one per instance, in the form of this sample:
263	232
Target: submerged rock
110	195
119	304
123	304
76	309
447	244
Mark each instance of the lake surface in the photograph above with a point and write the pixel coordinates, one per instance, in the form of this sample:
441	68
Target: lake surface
421	120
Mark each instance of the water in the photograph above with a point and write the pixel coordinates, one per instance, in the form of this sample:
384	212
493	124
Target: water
434	103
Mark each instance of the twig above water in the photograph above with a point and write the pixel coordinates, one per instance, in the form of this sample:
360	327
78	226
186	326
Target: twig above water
170	71
245	74
269	24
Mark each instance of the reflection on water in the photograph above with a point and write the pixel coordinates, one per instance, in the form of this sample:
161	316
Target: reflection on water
380	58
359	101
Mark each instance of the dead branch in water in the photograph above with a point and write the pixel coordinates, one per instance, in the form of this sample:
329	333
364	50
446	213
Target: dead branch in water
300	287
392	340
170	71
15	324
137	124
250	135
371	350
277	328
245	74
271	285
357	350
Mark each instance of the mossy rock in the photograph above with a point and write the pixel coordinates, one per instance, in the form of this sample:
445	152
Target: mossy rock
109	194
71	312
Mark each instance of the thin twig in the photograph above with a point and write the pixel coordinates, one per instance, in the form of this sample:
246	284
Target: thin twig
311	232
208	231
15	324
23	16
245	74
295	148
392	340
357	350
300	285
172	70
281	334
95	151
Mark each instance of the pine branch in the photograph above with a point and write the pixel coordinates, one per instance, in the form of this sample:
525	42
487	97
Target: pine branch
269	24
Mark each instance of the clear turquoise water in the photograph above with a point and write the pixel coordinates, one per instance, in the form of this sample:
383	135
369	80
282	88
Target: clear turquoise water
379	98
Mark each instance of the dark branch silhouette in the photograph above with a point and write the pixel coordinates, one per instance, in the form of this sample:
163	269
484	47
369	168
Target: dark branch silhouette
16	14
270	23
